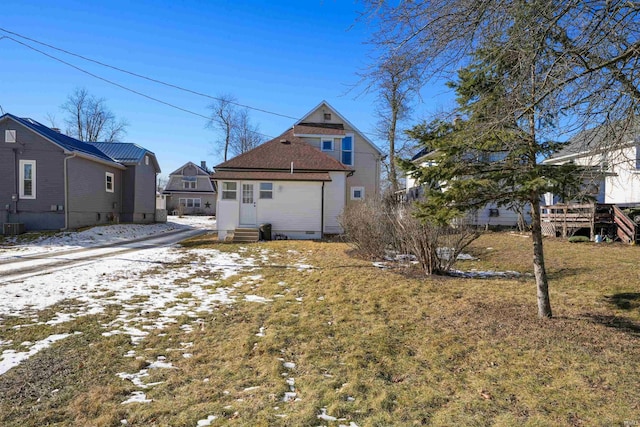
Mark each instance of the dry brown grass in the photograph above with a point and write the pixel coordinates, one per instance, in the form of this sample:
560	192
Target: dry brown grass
374	347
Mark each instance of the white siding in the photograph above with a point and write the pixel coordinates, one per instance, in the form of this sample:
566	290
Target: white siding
294	210
228	213
623	188
506	217
334	201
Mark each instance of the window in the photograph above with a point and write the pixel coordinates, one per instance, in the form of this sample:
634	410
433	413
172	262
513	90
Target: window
189	184
266	190
357	193
229	190
146	160
347	150
327	145
27	179
108	182
10	135
327	116
190	203
493	212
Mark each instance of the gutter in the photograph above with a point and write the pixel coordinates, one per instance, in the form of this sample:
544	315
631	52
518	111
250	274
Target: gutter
66	192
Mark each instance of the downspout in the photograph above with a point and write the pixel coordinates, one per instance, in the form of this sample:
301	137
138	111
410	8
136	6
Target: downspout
14	199
322	213
66	192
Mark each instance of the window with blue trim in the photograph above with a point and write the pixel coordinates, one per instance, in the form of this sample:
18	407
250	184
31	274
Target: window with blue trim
347	150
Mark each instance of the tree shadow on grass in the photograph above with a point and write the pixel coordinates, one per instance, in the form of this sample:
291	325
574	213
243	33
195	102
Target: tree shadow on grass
624	300
620	323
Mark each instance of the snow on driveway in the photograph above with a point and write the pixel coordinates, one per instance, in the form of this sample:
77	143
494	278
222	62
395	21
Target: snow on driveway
22	245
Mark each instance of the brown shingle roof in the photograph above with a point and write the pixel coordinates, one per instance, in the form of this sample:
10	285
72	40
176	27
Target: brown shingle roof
271	176
315	129
279	153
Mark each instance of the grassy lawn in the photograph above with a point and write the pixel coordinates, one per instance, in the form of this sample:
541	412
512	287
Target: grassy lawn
357	345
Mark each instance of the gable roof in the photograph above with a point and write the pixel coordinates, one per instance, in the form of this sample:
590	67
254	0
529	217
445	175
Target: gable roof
347	122
280	153
125	152
595	140
179	170
65	142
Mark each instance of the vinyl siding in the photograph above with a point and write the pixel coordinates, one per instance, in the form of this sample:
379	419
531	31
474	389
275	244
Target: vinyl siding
294	210
36	214
334	202
89	202
145	192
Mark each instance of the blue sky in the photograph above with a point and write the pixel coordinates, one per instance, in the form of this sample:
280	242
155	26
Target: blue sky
280	56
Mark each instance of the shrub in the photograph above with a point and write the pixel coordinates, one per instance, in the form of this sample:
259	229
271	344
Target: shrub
376	227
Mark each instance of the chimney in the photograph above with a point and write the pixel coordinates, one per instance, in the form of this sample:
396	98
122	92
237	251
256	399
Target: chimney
203	164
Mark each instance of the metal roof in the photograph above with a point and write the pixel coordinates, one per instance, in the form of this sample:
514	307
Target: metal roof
124	152
66	142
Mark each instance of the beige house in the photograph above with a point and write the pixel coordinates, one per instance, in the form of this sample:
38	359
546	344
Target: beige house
190	191
330	132
301	181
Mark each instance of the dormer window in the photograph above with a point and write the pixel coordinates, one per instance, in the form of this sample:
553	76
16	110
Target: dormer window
189	183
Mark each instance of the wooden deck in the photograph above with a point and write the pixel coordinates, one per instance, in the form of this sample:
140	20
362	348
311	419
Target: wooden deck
565	219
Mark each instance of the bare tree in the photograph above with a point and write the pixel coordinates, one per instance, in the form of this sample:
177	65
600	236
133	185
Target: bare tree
237	134
396	80
223	112
89	118
246	135
561	67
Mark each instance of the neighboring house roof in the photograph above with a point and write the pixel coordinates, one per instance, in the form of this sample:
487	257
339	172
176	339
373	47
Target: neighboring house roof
125	152
65	142
271	176
347	122
283	153
179	170
422	153
592	141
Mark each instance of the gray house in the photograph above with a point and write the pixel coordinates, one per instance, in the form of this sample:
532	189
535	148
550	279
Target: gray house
50	181
190	190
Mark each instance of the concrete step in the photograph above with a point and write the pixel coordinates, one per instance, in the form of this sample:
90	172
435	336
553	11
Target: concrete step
246	235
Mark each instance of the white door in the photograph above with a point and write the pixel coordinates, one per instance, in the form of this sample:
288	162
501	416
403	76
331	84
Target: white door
247	205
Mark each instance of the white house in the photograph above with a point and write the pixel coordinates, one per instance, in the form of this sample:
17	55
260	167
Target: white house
301	181
490	215
613	173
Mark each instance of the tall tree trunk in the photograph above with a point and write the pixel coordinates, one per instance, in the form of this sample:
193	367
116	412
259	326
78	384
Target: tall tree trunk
392	148
539	271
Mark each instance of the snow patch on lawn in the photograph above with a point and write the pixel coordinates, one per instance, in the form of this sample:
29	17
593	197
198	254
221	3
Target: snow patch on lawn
12	358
